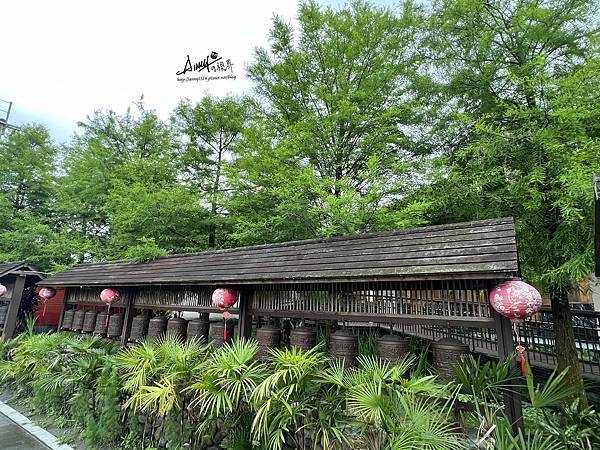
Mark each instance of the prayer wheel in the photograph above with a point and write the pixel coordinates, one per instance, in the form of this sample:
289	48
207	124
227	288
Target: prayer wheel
446	353
303	338
177	327
198	328
216	333
139	327
67	322
343	346
3	312
100	328
157	326
89	321
78	319
392	347
268	337
115	325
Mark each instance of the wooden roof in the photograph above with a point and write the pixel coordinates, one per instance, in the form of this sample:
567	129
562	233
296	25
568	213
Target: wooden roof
480	249
10	267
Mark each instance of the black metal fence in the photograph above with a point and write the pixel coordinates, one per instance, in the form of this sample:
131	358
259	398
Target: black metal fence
536	334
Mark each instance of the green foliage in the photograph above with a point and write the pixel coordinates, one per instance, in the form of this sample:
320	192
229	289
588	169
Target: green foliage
486	381
554	392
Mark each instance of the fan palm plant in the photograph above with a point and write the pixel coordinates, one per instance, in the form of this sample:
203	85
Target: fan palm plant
393	410
156	373
287	396
223	385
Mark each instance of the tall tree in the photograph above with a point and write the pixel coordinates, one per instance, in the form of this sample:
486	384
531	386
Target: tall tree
209	134
28	228
27	176
338	107
514	141
121	193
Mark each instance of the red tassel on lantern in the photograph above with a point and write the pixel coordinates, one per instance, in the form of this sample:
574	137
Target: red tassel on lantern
224	298
108	297
45	294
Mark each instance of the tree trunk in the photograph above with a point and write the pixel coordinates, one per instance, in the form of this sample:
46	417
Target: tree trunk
566	351
212	229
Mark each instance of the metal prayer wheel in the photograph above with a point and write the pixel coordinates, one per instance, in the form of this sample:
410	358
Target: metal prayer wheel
446	353
343	346
157	326
115	325
177	327
139	327
101	325
198	328
215	334
3	312
89	321
78	319
303	338
67	322
268	337
392	347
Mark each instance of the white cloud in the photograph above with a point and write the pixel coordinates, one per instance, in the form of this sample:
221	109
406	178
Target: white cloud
63	59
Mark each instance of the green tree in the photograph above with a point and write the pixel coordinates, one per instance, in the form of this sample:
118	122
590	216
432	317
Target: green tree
209	133
121	195
28	229
518	135
27	177
337	113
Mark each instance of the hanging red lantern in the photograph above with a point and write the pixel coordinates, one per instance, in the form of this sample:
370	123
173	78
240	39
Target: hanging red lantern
108	297
3	290
516	300
224	298
45	294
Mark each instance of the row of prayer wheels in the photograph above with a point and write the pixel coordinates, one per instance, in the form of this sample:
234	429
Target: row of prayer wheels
142	326
200	329
92	321
343	346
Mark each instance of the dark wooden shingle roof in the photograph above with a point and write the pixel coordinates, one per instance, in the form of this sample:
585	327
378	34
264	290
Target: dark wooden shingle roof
484	249
8	267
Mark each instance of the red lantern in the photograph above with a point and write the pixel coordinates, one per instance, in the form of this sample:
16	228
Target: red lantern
109	296
3	290
516	300
224	298
45	294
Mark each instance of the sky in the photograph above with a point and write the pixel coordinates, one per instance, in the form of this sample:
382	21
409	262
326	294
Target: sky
61	60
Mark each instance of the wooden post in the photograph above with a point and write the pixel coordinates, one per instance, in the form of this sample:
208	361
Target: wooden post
245	318
13	308
63	310
597	221
127	320
512	398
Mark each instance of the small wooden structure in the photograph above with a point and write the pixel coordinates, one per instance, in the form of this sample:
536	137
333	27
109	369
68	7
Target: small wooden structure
19	277
430	278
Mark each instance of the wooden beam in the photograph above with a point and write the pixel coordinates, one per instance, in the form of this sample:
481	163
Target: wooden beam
512	398
245	318
127	320
597	221
64	308
13	309
447	321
